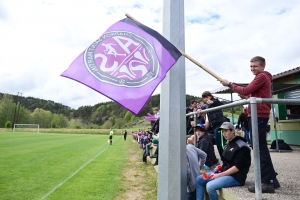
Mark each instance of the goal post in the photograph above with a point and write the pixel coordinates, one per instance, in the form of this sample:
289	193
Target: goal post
27	127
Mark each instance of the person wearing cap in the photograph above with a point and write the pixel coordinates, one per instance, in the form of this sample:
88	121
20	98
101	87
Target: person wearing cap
260	87
195	159
236	164
205	143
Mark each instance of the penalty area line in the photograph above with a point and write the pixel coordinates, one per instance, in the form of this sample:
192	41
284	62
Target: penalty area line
83	166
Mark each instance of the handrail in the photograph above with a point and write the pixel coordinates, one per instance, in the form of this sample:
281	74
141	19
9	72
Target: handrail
236	103
243	102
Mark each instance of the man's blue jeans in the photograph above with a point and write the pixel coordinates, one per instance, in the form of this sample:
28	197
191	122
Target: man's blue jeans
212	186
247	137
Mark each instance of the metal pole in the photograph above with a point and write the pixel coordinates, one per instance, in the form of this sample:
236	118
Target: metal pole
195	123
255	142
172	167
18	110
274	120
15	111
275	129
236	103
232	110
278	101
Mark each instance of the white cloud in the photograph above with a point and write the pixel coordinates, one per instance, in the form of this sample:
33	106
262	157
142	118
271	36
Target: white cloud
40	38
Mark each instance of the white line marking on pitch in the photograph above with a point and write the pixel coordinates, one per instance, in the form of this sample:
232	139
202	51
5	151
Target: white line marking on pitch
60	184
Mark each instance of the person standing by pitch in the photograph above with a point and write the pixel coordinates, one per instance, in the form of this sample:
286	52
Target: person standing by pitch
111	132
125	135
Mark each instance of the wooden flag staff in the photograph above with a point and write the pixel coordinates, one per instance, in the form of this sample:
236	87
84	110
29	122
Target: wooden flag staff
187	56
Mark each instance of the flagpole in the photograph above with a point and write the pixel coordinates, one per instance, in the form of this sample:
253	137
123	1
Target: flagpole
187	56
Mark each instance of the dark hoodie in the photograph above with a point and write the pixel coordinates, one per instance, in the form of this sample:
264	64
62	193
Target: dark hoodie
259	87
237	153
205	143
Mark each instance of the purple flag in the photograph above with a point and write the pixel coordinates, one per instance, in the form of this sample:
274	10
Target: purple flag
150	118
148	114
126	63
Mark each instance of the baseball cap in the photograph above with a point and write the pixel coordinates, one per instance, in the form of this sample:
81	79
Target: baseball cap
226	125
200	126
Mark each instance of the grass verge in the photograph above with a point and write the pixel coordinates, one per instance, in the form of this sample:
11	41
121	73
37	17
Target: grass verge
139	180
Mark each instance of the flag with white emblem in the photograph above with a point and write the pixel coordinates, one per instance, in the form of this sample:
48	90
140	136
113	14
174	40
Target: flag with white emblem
125	64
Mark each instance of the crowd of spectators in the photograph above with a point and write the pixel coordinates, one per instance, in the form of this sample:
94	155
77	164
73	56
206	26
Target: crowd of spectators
201	154
214	128
147	139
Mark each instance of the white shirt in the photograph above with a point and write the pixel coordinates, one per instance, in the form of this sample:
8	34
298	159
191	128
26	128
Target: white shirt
157	115
206	118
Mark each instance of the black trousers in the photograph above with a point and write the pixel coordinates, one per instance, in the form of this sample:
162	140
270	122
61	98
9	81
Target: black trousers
144	159
156	152
266	166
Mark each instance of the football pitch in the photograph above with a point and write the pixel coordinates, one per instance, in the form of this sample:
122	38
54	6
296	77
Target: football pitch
60	166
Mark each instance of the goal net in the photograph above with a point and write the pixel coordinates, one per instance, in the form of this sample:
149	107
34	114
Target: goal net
27	128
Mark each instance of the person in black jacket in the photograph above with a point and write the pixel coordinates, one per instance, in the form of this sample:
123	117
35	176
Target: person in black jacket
191	108
236	164
243	123
214	120
205	143
200	119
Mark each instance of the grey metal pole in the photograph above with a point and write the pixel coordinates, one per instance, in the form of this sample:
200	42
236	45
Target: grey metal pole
172	167
257	175
236	103
195	123
275	129
232	110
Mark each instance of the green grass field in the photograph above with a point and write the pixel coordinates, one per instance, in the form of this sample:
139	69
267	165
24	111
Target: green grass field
60	166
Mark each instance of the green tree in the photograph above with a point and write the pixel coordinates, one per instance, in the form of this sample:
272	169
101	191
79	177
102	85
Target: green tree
133	118
75	123
107	124
24	116
128	116
119	123
41	117
59	121
7	108
113	119
8	124
97	116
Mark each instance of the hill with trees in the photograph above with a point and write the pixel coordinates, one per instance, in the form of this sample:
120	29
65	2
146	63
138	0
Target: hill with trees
50	114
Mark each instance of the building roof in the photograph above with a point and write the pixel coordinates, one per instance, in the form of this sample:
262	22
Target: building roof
286	73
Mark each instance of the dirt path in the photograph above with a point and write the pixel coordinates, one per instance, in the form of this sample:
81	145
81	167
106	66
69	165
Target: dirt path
139	180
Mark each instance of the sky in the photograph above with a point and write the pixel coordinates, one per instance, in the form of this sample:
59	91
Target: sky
39	39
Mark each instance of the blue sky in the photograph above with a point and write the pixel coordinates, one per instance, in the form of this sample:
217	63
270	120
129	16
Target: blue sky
40	38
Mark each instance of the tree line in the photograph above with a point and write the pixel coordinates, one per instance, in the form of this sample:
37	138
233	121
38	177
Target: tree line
49	114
